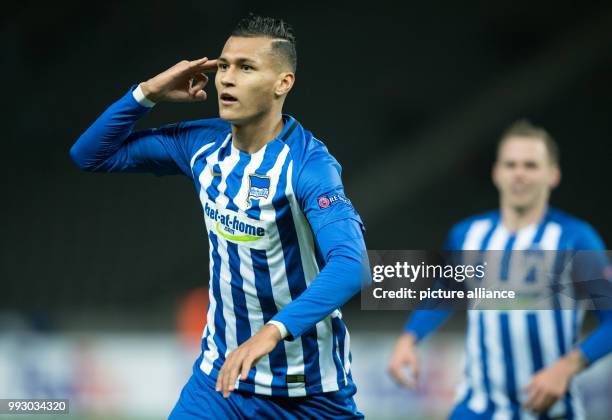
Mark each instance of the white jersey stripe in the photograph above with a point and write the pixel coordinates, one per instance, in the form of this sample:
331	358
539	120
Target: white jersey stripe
212	354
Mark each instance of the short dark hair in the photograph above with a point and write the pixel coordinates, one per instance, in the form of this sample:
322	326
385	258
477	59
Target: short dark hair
524	128
280	31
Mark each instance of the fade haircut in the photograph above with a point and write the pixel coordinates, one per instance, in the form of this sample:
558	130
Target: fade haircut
283	44
524	128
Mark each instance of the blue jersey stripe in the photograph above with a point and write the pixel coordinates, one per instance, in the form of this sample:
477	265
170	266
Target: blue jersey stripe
534	342
219	336
509	365
243	326
487	237
263	284
484	362
234	180
339	333
505	263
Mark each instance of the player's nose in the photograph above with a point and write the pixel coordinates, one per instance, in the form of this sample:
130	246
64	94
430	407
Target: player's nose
227	78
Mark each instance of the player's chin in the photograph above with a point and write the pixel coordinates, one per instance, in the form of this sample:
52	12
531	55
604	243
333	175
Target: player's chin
228	115
232	117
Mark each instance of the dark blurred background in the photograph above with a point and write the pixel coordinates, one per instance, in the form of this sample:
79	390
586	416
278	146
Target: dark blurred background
411	100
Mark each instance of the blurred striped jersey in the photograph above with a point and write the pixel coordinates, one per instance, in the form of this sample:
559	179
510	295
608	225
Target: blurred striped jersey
505	348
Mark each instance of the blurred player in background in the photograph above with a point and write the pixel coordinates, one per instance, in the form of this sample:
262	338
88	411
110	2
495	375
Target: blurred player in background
517	362
285	243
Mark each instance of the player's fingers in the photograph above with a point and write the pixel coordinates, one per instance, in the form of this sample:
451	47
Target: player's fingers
539	403
203	65
200	96
233	375
225	381
398	376
209	66
219	384
201	77
195	88
416	370
246	366
197	84
197	63
528	404
222	373
547	401
534	401
528	387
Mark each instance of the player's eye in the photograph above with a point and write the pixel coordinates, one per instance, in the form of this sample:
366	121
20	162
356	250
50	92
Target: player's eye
223	66
246	67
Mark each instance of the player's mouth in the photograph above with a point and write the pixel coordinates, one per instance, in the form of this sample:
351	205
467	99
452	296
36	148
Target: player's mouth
227	99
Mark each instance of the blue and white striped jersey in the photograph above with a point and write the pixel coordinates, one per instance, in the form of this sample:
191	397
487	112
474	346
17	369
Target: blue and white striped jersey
275	219
263	255
505	348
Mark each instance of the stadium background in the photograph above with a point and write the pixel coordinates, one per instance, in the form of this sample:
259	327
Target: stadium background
96	269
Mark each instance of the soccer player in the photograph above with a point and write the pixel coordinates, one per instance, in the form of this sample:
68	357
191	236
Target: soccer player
518	362
285	243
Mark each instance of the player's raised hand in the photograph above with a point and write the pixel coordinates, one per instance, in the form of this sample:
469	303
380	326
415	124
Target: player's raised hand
241	360
404	356
183	82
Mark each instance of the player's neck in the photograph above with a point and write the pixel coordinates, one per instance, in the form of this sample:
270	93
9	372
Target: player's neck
252	136
515	219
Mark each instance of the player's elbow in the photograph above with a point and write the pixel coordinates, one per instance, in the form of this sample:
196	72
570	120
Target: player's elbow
352	271
81	160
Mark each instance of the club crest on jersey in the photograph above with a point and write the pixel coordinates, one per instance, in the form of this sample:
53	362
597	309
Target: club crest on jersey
259	187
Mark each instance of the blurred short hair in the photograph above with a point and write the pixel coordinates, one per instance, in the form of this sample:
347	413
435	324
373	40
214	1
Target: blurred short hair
524	128
280	31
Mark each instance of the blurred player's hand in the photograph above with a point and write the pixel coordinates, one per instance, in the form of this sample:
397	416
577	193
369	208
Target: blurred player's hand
404	355
182	82
550	384
241	360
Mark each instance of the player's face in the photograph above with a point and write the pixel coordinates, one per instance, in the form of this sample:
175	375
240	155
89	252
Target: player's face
523	173
246	79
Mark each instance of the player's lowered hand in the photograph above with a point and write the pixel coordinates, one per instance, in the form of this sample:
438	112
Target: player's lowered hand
550	384
404	356
183	82
241	360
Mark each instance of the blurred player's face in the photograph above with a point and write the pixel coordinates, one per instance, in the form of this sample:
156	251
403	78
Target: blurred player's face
250	80
524	173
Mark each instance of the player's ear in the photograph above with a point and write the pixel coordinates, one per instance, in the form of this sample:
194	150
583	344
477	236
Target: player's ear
284	83
495	173
555	178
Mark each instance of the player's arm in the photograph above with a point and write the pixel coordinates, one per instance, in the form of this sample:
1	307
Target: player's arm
338	233
419	325
109	145
551	383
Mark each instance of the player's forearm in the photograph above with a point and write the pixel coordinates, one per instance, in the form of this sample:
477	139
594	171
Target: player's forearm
333	287
423	322
599	342
341	243
106	135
